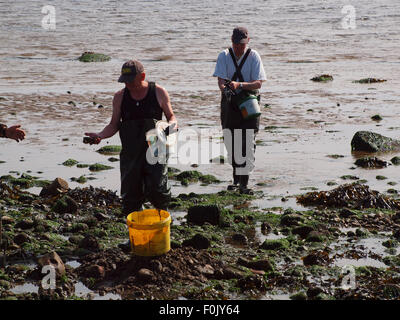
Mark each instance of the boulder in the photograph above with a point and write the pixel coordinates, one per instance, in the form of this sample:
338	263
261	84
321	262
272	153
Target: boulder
65	205
371	162
58	186
198	215
198	242
263	264
373	142
89	243
54	260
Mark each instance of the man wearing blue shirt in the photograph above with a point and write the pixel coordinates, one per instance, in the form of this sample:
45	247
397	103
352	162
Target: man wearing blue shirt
243	67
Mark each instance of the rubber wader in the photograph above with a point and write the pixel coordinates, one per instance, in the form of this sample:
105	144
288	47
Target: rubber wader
141	181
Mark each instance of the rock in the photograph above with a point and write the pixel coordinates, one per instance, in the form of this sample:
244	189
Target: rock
6	220
275	244
89	56
361	233
156	266
369	80
316	258
376	117
65	205
396	234
75	239
58	186
198	242
198	215
346	213
54	260
322	78
263	264
302	231
101	216
25	224
21	238
89	243
207	270
371	162
265	227
373	142
145	275
239	238
313	292
291	219
315	236
298	296
395	161
95	271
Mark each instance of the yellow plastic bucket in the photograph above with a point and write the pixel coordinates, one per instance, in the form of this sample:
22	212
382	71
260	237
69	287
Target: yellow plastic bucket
149	232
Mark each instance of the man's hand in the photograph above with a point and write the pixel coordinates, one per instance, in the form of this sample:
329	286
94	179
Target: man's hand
15	133
95	138
234	85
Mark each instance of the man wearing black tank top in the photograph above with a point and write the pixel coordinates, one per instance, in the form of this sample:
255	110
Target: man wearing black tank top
239	68
136	109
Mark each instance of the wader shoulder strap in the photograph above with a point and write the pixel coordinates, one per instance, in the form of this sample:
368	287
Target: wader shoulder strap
238	73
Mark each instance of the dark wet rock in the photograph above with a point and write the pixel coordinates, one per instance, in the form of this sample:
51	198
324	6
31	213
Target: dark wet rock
395	161
7	220
298	296
361	233
371	162
65	205
316	258
265	227
75	239
54	260
291	219
145	275
70	162
90	56
355	196
206	270
95	271
89	243
251	282
239	238
390	243
201	214
263	264
25	224
373	142
58	186
192	176
302	231
156	266
369	80
198	241
99	167
381	177
351	234
322	78
346	213
316	236
275	244
396	234
21	238
376	117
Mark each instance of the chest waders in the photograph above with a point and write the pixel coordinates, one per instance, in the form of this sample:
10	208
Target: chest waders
141	181
232	120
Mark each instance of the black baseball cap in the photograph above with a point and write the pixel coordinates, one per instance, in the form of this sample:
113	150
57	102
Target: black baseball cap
240	35
130	70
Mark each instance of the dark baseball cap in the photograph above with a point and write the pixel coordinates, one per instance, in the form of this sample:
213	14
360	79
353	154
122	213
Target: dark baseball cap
130	70
240	35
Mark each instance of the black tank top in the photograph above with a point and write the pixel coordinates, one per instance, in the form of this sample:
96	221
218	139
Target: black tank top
147	108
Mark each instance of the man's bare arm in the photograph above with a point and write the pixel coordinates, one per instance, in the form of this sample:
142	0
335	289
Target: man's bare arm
165	103
113	127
